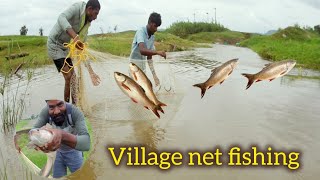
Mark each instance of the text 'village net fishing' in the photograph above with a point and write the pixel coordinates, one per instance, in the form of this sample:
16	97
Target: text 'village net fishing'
235	157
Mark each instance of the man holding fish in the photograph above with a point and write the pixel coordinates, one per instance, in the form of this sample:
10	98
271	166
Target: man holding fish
67	135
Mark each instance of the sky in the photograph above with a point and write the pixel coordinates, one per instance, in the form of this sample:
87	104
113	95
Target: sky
257	16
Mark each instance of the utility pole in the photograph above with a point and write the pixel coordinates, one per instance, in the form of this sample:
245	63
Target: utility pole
215	15
194	17
207	17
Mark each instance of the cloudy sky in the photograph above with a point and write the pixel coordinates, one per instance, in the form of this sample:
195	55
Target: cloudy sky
239	15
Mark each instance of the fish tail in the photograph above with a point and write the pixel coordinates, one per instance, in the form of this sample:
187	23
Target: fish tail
159	108
155	111
203	88
250	79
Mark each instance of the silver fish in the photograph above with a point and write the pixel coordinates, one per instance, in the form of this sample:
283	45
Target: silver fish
135	92
270	72
40	137
218	75
140	77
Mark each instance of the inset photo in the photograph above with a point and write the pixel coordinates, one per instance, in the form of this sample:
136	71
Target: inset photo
55	143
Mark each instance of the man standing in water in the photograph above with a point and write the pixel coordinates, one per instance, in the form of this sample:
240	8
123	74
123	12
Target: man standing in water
70	135
73	24
143	45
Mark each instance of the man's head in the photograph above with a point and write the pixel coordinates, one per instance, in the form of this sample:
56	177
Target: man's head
57	111
154	22
92	10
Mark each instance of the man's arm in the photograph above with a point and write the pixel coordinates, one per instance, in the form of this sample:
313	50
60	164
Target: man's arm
95	79
83	137
43	118
67	15
147	52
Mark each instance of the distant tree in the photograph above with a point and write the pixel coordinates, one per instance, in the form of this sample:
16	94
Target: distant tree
23	30
115	28
317	28
41	31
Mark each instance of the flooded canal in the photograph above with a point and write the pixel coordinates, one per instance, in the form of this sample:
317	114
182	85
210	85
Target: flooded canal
282	114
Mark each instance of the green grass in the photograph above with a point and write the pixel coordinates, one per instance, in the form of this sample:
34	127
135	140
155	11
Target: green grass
37	157
300	45
22	124
34	45
225	37
117	44
120	43
184	29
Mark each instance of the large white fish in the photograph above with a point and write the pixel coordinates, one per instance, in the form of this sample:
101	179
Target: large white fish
135	92
40	137
140	77
270	71
218	75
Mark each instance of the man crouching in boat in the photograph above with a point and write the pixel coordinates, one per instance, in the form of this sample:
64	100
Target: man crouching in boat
70	135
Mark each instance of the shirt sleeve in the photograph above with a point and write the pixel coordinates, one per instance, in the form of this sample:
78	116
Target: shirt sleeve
42	119
67	15
140	36
83	137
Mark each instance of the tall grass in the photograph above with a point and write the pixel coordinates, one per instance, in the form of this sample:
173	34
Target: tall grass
290	43
13	99
183	29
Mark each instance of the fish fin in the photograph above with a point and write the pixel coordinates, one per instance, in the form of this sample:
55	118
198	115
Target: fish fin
209	87
283	72
134	100
125	87
203	88
146	107
161	104
155	111
271	79
250	79
221	82
159	108
258	80
230	73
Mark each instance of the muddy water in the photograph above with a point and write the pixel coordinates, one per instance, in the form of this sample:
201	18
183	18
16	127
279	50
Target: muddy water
282	114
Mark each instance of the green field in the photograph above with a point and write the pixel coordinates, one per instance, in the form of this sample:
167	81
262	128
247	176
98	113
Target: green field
34	45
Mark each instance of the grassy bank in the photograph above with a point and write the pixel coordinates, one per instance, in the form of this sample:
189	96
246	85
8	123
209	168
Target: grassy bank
37	157
120	43
34	45
290	43
225	37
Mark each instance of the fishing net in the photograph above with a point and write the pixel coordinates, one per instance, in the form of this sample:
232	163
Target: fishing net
108	102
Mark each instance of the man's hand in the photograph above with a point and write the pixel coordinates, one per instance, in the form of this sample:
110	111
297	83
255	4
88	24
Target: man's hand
162	54
79	44
55	143
95	79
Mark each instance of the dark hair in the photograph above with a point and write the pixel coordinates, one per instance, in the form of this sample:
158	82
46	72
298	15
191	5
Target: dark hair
94	4
155	18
